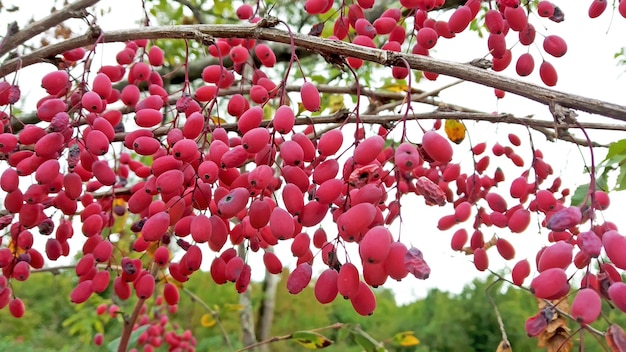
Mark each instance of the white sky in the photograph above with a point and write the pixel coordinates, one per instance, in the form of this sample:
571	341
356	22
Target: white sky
588	69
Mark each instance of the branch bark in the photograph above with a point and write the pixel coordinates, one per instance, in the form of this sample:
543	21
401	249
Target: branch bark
72	10
330	49
392	118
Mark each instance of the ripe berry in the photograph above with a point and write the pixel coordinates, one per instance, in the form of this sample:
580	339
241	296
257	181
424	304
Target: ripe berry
481	260
363	301
525	65
587	306
520	272
615	247
16	307
394	264
427	37
459	238
326	286
494	21
368	150
374	247
554	45
548	74
617	294
545	9
82	292
437	147
550	284
516	17
558	255
505	248
299	278
310	96
460	19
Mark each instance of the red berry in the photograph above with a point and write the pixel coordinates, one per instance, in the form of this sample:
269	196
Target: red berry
326	286
548	74
525	65
505	248
363	301
545	9
437	147
427	37
558	255
516	17
299	278
615	247
460	19
554	45
617	293
310	96
520	272
550	284
366	151
587	306
16	307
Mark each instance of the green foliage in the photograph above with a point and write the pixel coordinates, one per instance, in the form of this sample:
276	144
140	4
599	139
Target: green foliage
46	297
440	321
113	345
620	56
84	323
610	173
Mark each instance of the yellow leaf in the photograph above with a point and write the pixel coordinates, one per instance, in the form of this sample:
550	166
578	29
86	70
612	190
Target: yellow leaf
268	112
504	346
301	109
406	339
207	320
311	340
152	248
455	130
336	103
396	88
233	307
173	281
217	120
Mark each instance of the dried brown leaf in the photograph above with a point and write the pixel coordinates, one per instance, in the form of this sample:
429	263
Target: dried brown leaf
560	342
616	338
556	336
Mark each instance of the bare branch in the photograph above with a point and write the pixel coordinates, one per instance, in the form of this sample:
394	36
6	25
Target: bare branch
338	49
392	118
73	10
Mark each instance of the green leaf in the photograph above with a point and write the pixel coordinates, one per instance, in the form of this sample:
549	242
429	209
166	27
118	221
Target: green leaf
579	194
311	340
620	182
616	148
368	343
113	345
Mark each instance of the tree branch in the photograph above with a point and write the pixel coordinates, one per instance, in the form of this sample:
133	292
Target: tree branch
392	118
333	49
75	9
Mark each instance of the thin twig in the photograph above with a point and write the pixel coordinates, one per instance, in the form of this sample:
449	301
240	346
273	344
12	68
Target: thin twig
495	309
334	326
213	313
417	98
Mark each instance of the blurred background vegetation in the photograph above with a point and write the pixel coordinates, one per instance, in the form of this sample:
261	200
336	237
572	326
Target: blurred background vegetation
441	321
